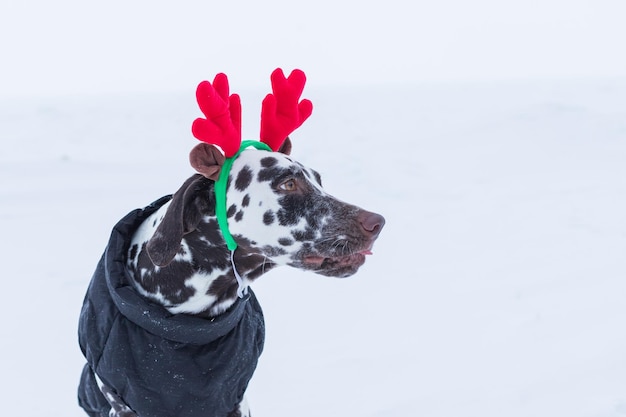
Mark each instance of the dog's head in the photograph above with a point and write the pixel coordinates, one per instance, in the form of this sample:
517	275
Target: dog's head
277	208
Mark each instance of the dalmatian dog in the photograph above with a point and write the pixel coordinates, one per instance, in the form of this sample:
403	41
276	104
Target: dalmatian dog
169	325
280	215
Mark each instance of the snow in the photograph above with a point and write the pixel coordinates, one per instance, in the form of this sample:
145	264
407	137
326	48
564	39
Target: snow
496	288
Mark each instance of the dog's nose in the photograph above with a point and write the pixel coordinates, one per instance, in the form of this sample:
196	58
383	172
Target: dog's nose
372	223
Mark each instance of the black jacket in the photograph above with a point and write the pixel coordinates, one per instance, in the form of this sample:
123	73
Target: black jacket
162	364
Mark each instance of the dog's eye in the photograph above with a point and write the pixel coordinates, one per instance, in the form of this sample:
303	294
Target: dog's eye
289	185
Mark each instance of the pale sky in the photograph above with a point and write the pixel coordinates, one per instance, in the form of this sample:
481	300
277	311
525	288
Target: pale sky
82	46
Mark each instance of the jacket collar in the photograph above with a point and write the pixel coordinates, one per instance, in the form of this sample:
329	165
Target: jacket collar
152	317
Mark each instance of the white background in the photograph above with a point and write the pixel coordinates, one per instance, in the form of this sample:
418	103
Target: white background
71	46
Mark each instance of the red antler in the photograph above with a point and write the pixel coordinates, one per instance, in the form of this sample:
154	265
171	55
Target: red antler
222	125
281	112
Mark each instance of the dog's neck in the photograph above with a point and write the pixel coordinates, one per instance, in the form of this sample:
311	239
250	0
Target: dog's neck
201	278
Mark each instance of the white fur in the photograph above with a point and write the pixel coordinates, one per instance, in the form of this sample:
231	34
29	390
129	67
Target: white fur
261	200
201	299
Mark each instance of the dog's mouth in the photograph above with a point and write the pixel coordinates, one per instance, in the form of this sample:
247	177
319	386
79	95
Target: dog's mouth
339	251
336	266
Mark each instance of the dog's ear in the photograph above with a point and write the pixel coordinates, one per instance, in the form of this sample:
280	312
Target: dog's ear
207	160
285	147
187	207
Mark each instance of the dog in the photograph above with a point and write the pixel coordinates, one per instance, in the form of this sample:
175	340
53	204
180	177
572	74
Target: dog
169	325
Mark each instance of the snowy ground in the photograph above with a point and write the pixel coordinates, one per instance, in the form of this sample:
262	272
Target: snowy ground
496	289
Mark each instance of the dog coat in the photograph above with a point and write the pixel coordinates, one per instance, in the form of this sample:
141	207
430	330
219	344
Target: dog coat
159	363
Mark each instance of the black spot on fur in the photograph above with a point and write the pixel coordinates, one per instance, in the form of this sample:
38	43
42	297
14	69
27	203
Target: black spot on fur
298	206
231	210
174	290
260	270
302	235
285	241
274	250
293	208
244	243
207	248
268	161
244	178
246	200
208	235
249	263
239	216
274	174
224	287
133	252
268	217
154	223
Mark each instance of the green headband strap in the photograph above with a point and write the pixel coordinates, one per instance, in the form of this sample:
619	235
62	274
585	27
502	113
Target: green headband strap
220	190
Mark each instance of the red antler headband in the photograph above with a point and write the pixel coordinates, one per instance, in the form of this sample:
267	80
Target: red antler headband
282	112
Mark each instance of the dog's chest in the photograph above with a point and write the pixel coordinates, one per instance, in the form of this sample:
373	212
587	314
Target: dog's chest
182	286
